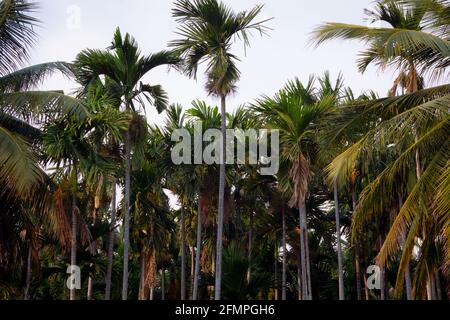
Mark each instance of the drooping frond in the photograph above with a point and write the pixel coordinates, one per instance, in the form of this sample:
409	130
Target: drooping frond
17	35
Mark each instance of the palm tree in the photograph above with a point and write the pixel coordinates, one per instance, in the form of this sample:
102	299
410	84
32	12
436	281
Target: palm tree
124	65
295	111
405	45
208	30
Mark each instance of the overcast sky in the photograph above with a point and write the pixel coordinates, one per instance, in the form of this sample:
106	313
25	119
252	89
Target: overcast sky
267	65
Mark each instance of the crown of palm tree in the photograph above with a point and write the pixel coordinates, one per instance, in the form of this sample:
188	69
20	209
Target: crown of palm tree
208	30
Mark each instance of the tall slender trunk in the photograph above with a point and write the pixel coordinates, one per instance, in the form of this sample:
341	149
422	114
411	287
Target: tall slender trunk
283	258
437	279
163	284
192	251
218	282
299	277
28	276
408	282
382	274
90	286
357	253
250	243
126	225
73	249
303	251
308	264
198	249
142	276
111	242
338	239
183	254
152	289
275	284
366	288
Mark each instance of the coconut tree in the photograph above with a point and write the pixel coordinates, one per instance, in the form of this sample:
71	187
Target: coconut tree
209	29
123	64
412	43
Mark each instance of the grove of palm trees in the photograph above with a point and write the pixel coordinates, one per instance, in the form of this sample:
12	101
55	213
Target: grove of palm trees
94	207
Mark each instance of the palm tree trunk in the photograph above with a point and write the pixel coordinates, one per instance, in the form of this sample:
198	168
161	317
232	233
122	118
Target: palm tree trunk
366	289
250	242
142	276
303	259
28	276
152	289
218	282
408	282
198	249
191	287
299	277
90	286
382	274
338	239
73	249
183	255
357	254
275	284
163	284
283	244
111	242
308	264
126	226
437	279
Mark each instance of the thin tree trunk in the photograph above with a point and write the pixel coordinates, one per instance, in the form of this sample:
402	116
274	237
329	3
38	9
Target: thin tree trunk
73	249
198	250
308	264
90	286
283	245
183	254
218	282
366	289
302	218
142	276
339	249
299	277
437	279
358	271
192	265
163	284
126	226
408	282
28	276
250	242
151	296
382	274
111	242
276	270
357	254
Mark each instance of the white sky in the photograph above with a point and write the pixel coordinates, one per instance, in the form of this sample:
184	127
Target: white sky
268	64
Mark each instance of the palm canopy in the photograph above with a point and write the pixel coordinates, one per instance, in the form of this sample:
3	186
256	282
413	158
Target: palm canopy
17	33
208	30
408	37
123	64
296	111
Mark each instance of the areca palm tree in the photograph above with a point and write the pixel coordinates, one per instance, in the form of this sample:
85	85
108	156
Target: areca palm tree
208	30
296	112
125	66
